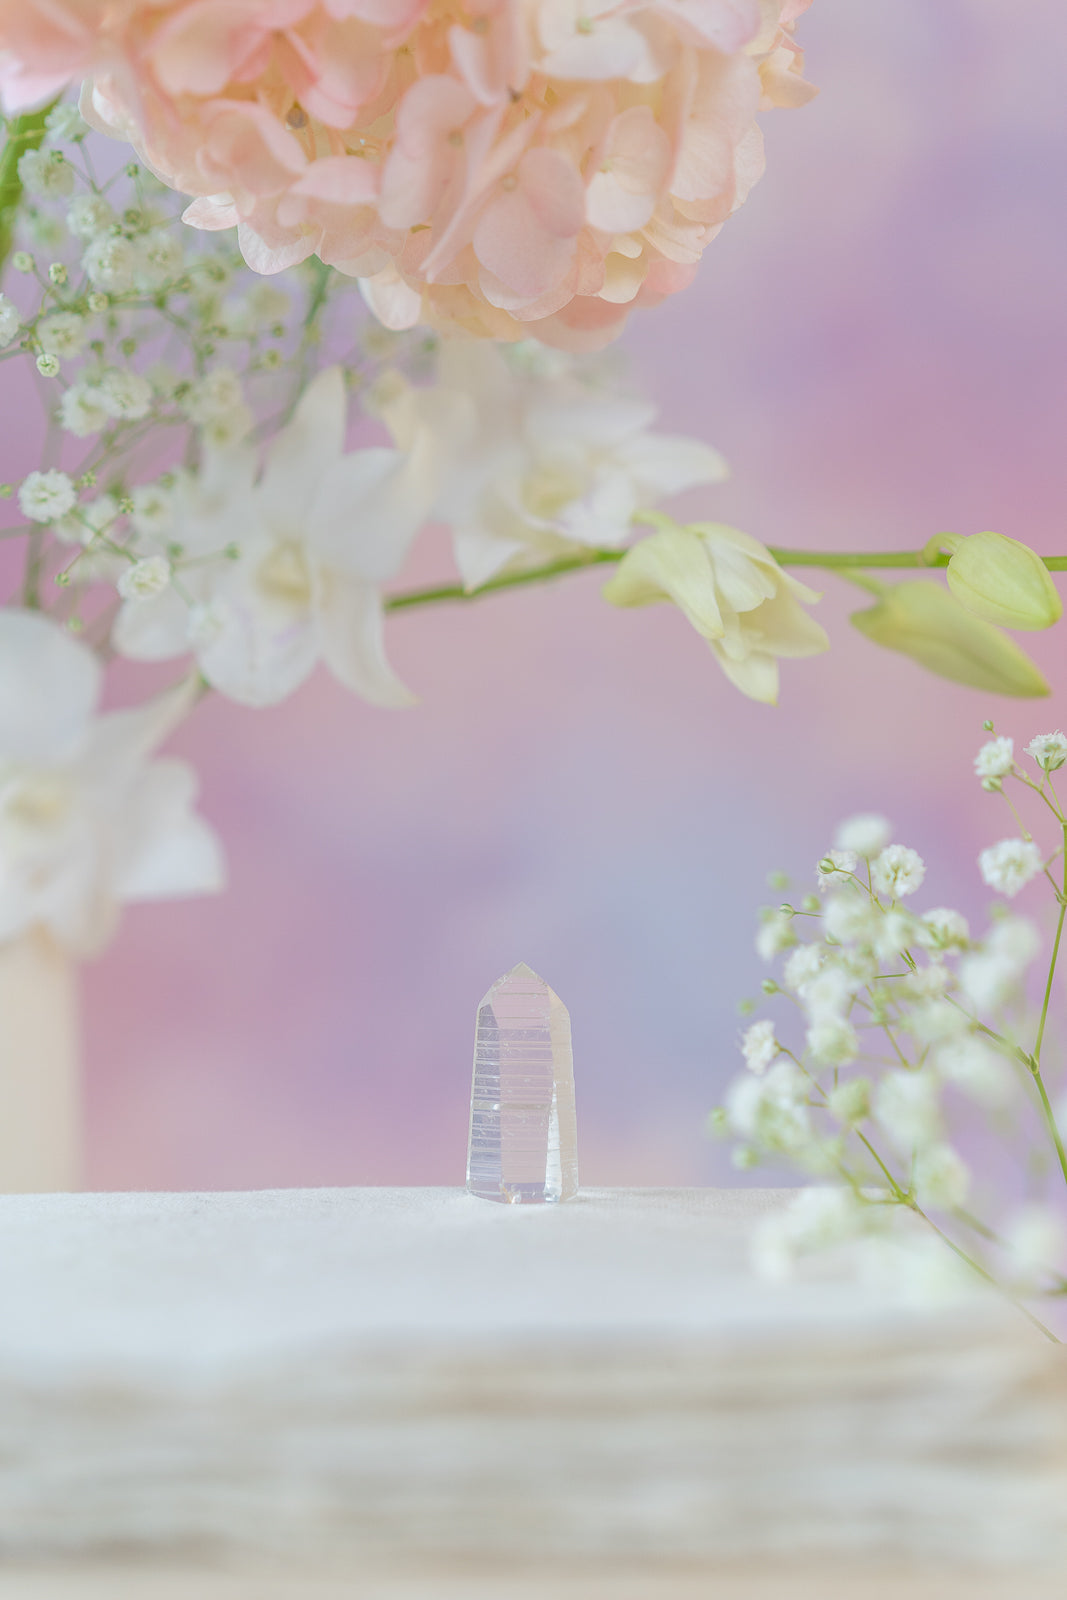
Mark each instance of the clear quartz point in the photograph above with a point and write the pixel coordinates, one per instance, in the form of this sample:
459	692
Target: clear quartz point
523	1146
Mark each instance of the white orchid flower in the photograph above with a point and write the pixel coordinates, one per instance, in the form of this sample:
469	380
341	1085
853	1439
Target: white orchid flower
88	820
315	539
543	465
734	593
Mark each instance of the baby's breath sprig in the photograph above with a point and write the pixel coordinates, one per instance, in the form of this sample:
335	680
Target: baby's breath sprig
154	346
912	1027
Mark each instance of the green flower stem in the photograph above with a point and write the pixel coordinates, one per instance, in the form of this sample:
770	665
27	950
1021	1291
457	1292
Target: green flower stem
23	133
512	580
845	561
1035	1059
988	1277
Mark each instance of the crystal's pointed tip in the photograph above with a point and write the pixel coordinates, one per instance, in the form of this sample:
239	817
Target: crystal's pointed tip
522	970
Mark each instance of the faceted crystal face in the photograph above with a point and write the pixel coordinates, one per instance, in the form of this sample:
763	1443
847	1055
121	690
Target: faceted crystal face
523	1139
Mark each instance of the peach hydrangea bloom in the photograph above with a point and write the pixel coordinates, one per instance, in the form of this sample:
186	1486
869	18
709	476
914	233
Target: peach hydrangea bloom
510	167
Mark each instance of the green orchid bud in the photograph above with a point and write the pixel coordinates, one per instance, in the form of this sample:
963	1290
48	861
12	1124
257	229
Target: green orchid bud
1001	580
924	621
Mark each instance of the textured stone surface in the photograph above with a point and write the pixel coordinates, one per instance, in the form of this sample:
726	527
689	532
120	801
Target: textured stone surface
523	1140
413	1394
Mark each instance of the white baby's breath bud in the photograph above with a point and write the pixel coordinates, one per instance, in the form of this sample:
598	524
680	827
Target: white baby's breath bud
225	431
81	410
759	1047
819	1218
65	125
991	974
897	871
893	933
48	366
928	983
718	1123
159	259
1010	865
46	231
213	396
10	321
775	935
62	334
771	1111
88	520
976	1068
858	965
163	378
44	496
906	1106
125	395
867	834
528	358
803	965
256	312
919	1270
942	929
110	261
268	304
88	215
144	579
935	1018
1036	1242
1014	939
849	918
833	863
833	1041
850	1102
153	509
22	261
941	1178
828	996
1049	750
995	759
46	174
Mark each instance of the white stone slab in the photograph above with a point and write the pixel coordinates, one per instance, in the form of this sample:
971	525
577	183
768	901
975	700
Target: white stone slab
398	1382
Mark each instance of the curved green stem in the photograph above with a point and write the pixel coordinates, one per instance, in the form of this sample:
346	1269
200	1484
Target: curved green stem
509	580
850	563
1035	1060
987	1277
23	133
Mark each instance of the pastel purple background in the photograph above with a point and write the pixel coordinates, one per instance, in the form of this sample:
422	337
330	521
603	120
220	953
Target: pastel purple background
876	344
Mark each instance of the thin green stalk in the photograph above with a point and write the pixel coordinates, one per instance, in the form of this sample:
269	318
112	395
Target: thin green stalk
1035	1059
843	559
511	580
848	563
1055	958
1050	1121
988	1277
897	1191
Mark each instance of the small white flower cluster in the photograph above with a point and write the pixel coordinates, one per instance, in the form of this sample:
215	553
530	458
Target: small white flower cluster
905	1021
257	546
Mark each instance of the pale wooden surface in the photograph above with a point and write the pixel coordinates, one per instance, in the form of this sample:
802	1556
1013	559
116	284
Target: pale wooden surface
781	1582
407	1393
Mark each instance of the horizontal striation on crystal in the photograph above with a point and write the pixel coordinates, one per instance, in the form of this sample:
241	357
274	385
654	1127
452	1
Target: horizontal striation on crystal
523	1146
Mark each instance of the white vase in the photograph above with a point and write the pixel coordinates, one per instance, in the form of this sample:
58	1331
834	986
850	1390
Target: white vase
40	1070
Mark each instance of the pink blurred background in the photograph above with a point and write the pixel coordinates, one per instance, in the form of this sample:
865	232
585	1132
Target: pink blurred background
875	343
